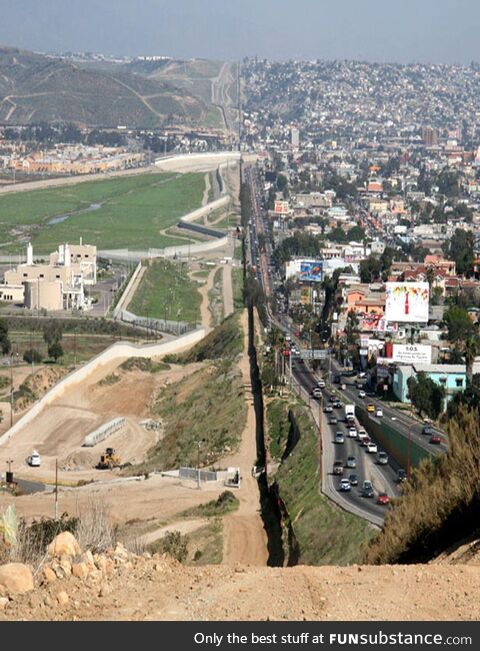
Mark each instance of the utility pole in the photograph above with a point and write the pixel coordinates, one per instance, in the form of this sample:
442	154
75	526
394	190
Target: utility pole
56	490
198	464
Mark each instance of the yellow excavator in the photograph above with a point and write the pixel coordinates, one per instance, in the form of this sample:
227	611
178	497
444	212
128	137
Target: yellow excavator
108	460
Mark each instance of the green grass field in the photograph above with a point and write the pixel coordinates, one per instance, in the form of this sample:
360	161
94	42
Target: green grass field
166	291
132	213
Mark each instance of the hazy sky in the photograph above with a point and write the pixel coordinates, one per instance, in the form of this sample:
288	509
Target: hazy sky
388	30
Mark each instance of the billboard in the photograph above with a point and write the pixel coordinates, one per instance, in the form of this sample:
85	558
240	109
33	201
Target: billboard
281	208
413	354
311	271
407	302
376	323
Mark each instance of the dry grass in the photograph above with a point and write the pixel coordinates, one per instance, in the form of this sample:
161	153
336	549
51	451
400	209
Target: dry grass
440	505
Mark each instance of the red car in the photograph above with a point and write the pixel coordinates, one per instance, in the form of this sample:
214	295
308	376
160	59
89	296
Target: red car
383	499
436	439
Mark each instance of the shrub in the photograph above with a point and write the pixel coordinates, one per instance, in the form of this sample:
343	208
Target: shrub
32	356
173	543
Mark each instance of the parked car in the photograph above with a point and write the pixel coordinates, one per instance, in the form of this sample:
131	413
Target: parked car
34	460
379	413
367	489
372	448
362	394
345	485
382	458
371	408
353	479
338	467
351	462
383	499
339	437
435	439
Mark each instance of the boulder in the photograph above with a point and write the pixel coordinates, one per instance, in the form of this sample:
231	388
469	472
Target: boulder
87	557
62	598
48	574
65	544
3	603
15	578
80	570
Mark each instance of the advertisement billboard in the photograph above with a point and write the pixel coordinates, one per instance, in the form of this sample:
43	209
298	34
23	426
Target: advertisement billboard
311	271
371	322
413	354
407	302
281	208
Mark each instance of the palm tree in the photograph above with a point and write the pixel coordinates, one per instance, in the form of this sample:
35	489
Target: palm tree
471	350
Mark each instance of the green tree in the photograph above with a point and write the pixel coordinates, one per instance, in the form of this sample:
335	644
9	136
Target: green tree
351	327
5	343
55	351
460	248
370	269
459	325
32	356
52	332
426	396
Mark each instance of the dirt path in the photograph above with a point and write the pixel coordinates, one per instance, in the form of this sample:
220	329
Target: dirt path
207	189
131	292
183	526
244	538
205	314
227	290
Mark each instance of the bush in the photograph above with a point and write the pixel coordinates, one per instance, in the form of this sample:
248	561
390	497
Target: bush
172	543
32	356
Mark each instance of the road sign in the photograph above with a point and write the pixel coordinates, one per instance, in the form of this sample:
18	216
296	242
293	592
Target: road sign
313	354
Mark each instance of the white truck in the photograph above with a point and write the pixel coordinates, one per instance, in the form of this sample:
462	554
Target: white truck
34	460
349	412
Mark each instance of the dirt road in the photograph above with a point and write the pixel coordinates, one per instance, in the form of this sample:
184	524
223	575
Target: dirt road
245	540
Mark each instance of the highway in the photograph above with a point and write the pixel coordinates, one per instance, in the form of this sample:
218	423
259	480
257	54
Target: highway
383	478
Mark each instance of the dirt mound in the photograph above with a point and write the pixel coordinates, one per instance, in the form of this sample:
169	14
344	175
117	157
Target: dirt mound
37	384
81	460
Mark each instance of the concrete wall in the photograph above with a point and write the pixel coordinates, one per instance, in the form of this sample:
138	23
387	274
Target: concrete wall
121	303
120	350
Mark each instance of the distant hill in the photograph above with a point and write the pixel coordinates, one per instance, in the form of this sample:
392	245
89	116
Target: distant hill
35	88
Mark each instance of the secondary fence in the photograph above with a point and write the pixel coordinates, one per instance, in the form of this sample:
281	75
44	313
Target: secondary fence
192	473
156	326
103	432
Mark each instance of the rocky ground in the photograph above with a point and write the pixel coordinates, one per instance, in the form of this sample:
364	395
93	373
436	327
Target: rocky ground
119	585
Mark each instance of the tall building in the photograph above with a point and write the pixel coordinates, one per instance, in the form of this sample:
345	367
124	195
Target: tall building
295	137
430	136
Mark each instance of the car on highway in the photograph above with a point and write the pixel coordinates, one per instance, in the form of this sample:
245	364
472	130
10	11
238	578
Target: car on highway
339	437
361	434
362	394
353	479
344	485
338	467
328	409
350	420
401	476
333	420
337	404
372	448
365	442
382	458
383	499
427	430
371	408
321	384
379	413
336	379
343	387
316	392
367	488
351	462
436	439
352	432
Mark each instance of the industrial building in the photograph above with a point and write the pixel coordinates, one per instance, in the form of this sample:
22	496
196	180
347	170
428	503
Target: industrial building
56	285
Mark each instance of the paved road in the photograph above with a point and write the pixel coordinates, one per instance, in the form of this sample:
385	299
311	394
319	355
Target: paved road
402	422
383	478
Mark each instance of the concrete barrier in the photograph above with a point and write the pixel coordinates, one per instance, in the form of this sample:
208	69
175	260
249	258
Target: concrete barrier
117	351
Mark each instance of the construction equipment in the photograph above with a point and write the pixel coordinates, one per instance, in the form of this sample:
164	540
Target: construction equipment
108	460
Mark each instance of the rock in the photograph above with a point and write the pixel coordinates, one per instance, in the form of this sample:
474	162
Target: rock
48	574
3	603
62	598
87	557
15	578
80	570
65	544
66	566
